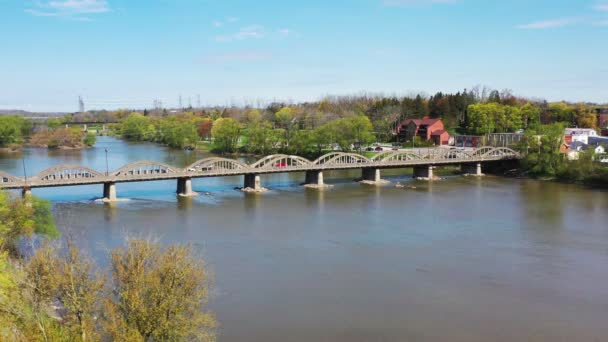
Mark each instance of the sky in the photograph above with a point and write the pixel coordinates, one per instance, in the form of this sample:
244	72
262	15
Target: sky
127	53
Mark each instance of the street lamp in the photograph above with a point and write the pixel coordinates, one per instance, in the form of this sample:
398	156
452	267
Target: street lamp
24	173
107	168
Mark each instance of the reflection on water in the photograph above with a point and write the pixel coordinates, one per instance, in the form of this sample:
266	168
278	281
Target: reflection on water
463	259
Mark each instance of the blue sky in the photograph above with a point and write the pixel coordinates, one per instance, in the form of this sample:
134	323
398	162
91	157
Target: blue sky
119	53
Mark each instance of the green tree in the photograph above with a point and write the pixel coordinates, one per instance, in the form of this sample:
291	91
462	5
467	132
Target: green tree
53	123
261	138
225	134
157	295
480	118
543	156
24	218
90	139
530	115
12	129
137	127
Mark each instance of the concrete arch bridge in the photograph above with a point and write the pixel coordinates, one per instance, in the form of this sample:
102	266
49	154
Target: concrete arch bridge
143	171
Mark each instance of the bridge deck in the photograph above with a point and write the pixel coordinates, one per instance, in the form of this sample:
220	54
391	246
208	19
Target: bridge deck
71	175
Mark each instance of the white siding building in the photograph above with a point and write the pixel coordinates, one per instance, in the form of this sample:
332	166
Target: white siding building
580	134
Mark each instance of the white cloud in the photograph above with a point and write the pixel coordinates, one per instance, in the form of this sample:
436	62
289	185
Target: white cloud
69	8
284	32
547	24
249	32
601	23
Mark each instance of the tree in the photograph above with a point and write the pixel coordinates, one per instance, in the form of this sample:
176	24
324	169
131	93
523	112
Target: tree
530	115
157	295
137	127
562	112
261	138
543	147
12	129
204	128
225	134
78	289
585	116
23	218
53	123
494	97
90	139
480	118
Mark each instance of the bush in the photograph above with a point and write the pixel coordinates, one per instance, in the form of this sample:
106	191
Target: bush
90	139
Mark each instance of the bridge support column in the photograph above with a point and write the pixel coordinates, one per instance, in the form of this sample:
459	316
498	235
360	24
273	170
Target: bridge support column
424	172
26	193
253	183
109	192
314	179
184	187
472	170
372	176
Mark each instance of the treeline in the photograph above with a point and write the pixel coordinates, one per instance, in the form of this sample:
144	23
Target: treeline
252	134
62	138
15	131
56	293
280	126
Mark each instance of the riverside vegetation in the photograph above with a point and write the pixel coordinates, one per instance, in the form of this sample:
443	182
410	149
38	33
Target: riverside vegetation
16	131
50	292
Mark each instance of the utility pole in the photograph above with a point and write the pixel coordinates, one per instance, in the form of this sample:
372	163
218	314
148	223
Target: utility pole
198	101
180	102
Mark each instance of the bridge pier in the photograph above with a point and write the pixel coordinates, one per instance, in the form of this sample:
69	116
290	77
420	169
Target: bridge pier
372	176
253	183
424	172
109	192
472	170
26	193
184	187
314	179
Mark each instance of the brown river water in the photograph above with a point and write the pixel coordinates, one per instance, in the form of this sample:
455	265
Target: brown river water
461	259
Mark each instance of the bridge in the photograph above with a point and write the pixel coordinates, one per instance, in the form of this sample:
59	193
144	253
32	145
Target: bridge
423	164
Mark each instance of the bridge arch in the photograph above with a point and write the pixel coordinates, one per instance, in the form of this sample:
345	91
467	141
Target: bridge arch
6	178
145	167
279	161
393	156
501	152
478	152
67	172
341	158
215	163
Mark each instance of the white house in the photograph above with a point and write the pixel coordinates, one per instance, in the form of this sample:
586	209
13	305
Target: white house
579	134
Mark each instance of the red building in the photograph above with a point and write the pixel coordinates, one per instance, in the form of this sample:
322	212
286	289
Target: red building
602	121
426	128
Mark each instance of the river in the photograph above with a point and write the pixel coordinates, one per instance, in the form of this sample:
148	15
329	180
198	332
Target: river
461	259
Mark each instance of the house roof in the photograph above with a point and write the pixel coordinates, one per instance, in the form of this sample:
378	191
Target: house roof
419	122
439	132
